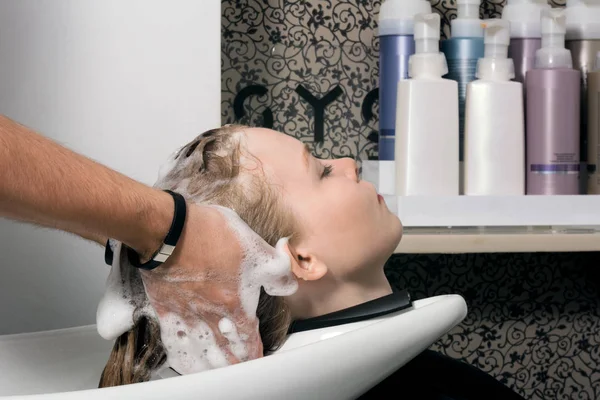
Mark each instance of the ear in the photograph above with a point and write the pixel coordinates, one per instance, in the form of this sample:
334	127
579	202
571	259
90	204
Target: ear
305	265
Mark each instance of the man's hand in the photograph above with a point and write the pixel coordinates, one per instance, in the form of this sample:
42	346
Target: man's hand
202	289
204	284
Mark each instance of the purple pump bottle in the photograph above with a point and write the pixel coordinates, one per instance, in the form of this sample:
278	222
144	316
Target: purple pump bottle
553	106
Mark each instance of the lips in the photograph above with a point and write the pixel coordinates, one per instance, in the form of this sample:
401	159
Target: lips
379	198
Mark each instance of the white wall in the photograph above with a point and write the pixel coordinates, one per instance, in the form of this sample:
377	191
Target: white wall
124	82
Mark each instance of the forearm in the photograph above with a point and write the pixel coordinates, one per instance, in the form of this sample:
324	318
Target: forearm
49	185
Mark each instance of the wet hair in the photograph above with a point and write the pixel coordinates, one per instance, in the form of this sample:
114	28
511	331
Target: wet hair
210	168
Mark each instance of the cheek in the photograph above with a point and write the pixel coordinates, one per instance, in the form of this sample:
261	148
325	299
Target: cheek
344	210
356	199
337	210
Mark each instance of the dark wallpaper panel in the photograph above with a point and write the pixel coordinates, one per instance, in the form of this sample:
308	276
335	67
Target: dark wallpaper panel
310	69
533	320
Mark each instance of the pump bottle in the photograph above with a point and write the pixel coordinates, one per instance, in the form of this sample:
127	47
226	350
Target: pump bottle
553	113
583	39
462	50
593	126
494	128
525	34
427	119
396	44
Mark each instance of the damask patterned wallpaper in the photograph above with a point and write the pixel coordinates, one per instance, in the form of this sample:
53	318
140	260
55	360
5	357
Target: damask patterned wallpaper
310	69
533	319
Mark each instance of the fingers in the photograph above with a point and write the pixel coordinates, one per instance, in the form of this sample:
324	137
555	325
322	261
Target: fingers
197	297
235	333
237	342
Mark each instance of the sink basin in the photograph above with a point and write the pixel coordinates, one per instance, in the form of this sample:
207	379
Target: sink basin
339	362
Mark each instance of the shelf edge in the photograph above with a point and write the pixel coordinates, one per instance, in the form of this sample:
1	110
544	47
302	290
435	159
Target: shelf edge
497	243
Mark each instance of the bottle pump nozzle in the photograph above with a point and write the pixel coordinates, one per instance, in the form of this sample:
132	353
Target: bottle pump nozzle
495	64
396	16
553	53
467	22
583	19
427	33
427	59
524	17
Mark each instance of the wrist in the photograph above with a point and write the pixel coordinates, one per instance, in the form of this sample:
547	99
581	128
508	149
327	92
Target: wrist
154	220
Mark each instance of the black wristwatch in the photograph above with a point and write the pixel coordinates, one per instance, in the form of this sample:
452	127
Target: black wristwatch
169	243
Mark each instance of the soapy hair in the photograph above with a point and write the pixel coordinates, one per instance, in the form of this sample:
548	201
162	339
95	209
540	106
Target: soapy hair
213	176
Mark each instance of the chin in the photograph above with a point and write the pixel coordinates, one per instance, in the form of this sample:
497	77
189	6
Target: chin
397	231
394	239
390	242
386	240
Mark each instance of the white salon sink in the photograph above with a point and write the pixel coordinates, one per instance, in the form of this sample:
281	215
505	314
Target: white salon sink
339	362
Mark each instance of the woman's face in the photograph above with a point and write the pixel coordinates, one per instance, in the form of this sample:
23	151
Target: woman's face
344	224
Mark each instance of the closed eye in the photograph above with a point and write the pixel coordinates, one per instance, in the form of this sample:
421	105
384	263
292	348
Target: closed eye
327	170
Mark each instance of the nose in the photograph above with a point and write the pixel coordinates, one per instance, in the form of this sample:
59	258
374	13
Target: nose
350	168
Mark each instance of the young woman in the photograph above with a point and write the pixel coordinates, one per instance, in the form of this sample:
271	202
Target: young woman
341	231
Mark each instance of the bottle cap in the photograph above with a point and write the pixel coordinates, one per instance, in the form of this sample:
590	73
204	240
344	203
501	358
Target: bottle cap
467	22
553	53
524	17
495	64
583	19
396	16
427	60
427	33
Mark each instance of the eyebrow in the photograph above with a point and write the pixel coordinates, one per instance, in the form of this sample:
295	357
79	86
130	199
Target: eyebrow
306	155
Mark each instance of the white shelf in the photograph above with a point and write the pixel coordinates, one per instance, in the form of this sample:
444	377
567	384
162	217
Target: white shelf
446	243
474	224
496	211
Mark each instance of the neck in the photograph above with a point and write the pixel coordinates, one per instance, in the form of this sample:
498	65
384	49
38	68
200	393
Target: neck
328	294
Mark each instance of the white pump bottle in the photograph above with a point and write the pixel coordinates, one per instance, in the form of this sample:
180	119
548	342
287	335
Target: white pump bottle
426	145
494	127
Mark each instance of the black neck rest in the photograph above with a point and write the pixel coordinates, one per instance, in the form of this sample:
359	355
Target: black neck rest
371	309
